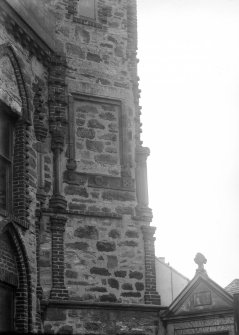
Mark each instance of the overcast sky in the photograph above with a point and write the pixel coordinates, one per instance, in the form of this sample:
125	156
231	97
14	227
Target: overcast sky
189	77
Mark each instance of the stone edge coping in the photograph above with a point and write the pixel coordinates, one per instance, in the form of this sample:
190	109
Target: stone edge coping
73	304
195	316
84	213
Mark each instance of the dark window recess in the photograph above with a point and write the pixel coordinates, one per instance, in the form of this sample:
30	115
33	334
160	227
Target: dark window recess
86	8
6	308
6	153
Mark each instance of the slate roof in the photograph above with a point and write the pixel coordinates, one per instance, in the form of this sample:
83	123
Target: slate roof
233	287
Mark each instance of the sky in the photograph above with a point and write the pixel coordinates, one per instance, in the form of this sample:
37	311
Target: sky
189	81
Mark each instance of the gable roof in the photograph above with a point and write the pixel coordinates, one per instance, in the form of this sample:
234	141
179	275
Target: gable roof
201	295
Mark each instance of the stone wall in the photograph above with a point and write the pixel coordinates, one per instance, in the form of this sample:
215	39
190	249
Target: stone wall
102	319
204	325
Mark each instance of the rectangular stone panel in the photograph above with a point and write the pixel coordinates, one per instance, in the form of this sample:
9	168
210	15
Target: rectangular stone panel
97	136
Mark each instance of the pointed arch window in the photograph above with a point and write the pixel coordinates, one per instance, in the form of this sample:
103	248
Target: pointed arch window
6	157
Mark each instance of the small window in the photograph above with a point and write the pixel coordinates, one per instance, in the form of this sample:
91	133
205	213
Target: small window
6	159
86	8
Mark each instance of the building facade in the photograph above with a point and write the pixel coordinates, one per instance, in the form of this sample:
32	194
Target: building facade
77	248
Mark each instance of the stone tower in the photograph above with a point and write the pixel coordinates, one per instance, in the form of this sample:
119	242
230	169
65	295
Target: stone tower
74	215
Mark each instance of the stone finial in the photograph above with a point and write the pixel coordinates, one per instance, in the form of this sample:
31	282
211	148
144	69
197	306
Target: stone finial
200	260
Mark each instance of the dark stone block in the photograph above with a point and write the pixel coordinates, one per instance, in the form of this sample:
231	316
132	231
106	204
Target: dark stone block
65	330
71	274
93	57
92	326
106	159
74	50
127	286
129	243
55	314
100	271
125	210
87	109
119	51
131	294
108	298
85	133
132	234
114	233
93	123
78	246
118	195
105	246
96	146
139	286
121	274
113	127
113	283
107	116
136	274
89	232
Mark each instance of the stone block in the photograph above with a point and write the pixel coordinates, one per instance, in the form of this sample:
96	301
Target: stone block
127	287
100	271
136	275
118	195
85	133
108	298
113	283
112	262
105	246
74	190
114	233
78	246
94	123
71	274
120	273
55	314
93	57
89	232
98	289
129	243
131	294
106	159
96	146
139	286
132	234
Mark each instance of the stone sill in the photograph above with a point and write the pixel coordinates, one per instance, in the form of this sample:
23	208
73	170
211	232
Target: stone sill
73	304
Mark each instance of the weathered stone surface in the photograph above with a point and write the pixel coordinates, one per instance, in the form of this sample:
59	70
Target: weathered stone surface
127	286
106	159
129	243
78	245
71	274
108	298
117	195
131	294
77	207
86	133
75	50
136	274
109	137
113	283
114	233
124	210
132	234
96	146
94	123
139	286
87	110
105	246
112	262
100	271
55	314
98	289
121	274
113	127
107	116
74	190
72	177
65	330
80	122
93	57
92	326
89	232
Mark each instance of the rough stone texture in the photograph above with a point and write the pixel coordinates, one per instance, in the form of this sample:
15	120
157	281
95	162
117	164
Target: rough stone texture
98	321
73	84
